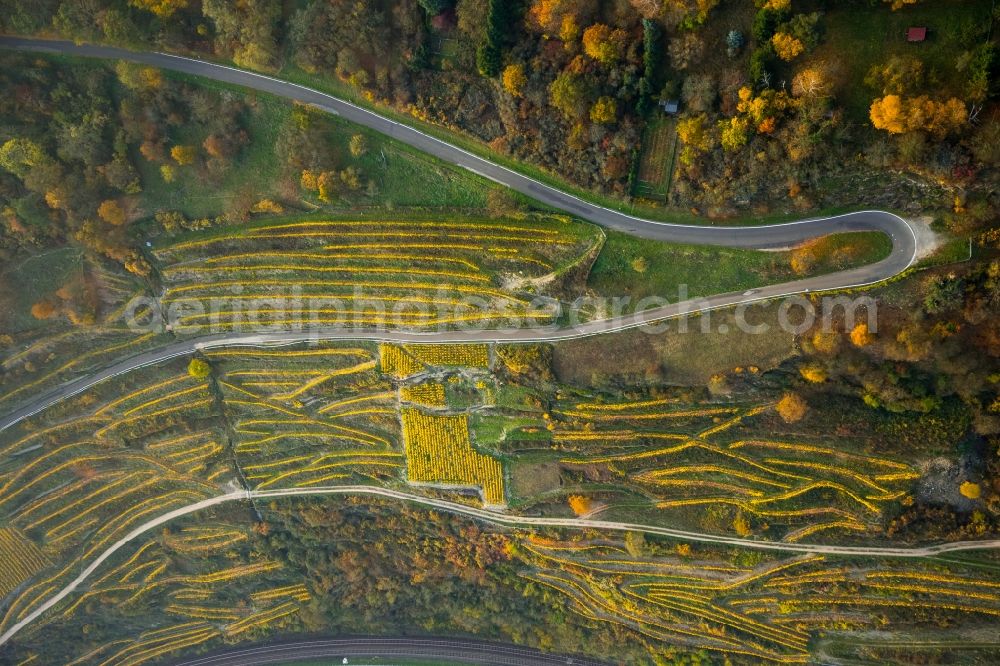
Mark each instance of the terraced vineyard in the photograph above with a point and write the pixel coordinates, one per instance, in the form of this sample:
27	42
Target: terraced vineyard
761	613
439	451
403	273
77	478
193	585
679	455
310	416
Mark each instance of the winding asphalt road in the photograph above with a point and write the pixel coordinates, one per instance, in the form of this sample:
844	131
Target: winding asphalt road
904	245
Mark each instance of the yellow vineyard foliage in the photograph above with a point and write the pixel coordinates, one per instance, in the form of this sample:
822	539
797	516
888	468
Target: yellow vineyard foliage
438	450
21	559
470	356
398	363
429	395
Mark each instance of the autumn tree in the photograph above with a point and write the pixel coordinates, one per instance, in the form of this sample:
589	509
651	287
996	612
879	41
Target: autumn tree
695	138
861	336
199	368
568	93
20	155
802	259
137	264
111	212
581	505
813	372
162	8
786	46
326	186
734	133
550	15
514	79
970	490
897	115
813	81
604	44
898	75
138	77
245	28
43	309
604	111
741	525
791	408
825	341
184	155
635	543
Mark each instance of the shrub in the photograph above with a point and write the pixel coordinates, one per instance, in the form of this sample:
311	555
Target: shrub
514	79
580	504
970	490
792	408
199	368
861	336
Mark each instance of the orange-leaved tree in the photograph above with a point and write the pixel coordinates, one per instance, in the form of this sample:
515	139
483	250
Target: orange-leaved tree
792	407
580	504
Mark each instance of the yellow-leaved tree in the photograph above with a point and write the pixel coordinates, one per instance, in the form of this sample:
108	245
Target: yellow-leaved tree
198	368
111	212
897	114
514	79
694	137
786	46
742	526
184	155
970	490
162	8
604	44
792	407
826	342
604	111
861	336
580	504
813	372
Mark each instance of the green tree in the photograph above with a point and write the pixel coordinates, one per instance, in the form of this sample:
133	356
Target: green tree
568	93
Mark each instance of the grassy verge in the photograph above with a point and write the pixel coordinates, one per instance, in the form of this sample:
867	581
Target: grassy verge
713	342
32	279
640	268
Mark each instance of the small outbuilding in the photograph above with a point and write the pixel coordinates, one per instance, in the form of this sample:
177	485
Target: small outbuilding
670	106
916	34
